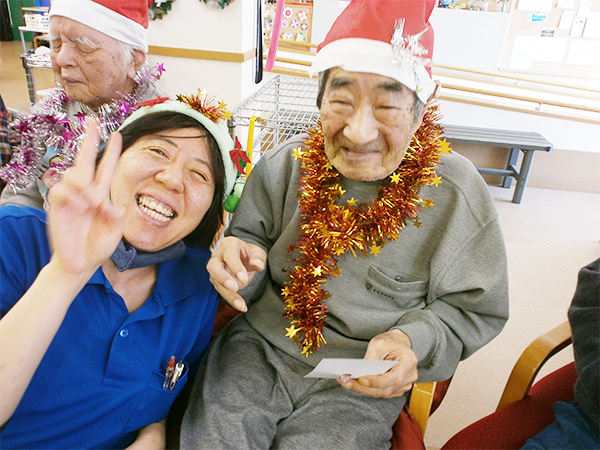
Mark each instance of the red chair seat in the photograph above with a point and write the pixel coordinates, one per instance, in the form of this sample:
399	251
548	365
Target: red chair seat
510	427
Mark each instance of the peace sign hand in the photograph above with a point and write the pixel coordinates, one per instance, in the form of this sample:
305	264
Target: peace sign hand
84	226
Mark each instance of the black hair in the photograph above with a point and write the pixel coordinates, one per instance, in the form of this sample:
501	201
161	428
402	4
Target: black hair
212	222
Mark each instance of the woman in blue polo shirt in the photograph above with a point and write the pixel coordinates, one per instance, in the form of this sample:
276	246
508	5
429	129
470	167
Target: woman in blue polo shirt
87	331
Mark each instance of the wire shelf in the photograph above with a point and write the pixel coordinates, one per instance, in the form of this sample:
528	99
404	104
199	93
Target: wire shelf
280	109
38	74
34	61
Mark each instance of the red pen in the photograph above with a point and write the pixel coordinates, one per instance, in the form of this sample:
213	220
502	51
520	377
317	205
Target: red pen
169	372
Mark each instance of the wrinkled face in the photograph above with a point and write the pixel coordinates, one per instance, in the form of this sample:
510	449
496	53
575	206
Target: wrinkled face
368	123
166	184
87	63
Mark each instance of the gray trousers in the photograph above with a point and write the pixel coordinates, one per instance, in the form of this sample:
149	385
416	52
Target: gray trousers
250	395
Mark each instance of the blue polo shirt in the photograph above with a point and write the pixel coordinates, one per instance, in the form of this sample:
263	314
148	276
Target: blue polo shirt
101	379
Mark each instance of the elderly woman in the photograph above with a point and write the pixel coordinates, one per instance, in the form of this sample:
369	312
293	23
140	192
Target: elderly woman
96	343
98	52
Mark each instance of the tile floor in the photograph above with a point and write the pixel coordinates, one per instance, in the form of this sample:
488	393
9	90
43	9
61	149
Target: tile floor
13	84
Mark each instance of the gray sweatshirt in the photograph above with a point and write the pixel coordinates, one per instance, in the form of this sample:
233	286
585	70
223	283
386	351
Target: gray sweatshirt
444	284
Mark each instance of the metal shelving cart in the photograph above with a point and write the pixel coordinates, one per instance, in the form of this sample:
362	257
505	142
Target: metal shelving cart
38	67
35	66
278	110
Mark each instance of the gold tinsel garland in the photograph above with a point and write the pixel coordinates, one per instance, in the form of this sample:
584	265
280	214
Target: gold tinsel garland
330	229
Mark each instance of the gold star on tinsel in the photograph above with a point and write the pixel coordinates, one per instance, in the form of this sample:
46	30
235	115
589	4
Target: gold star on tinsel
292	331
352	202
336	272
375	250
417	223
436	180
428	203
445	147
395	177
329	230
227	115
223	106
297	153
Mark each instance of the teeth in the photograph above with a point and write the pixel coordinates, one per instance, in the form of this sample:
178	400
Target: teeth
155	210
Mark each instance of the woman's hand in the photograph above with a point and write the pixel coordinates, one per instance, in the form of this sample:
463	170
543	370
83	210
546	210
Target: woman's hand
84	226
84	230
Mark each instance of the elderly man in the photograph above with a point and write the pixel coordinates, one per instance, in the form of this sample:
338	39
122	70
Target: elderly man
335	251
98	50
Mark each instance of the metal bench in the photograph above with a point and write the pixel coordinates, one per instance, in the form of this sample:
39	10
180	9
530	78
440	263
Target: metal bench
526	141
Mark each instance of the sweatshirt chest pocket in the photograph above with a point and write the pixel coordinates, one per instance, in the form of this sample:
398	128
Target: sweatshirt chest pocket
406	294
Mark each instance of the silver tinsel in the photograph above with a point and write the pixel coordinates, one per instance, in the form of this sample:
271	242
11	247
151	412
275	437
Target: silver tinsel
49	126
407	50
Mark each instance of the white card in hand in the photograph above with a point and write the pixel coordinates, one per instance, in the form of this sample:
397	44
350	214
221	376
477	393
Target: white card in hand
356	368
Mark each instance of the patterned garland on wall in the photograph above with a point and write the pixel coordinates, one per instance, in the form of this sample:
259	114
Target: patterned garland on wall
218	3
160	8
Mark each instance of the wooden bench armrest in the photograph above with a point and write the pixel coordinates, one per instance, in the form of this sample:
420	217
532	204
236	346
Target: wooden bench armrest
531	361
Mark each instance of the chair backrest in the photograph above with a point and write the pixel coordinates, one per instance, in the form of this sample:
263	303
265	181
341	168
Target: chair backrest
511	426
531	361
524	408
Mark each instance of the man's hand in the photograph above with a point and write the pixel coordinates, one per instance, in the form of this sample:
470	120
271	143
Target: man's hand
232	266
391	345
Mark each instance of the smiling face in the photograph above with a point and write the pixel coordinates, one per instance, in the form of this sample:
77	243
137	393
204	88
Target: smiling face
166	185
90	65
368	122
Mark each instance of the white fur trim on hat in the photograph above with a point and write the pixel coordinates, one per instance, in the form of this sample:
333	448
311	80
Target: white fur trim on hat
219	132
370	56
102	19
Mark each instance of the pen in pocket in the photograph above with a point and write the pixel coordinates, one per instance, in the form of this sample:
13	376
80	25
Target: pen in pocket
177	373
169	372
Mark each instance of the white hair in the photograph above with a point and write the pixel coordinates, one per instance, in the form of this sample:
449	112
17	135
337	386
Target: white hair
128	52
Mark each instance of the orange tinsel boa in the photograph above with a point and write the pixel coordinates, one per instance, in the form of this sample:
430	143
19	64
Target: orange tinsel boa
330	228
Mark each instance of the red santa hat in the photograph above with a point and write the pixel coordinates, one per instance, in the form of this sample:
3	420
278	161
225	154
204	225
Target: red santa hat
123	20
392	38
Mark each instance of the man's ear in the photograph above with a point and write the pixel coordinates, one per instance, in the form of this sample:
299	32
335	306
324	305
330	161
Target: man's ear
436	91
433	96
139	57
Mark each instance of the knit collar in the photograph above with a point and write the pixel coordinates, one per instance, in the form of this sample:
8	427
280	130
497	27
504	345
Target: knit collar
128	257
